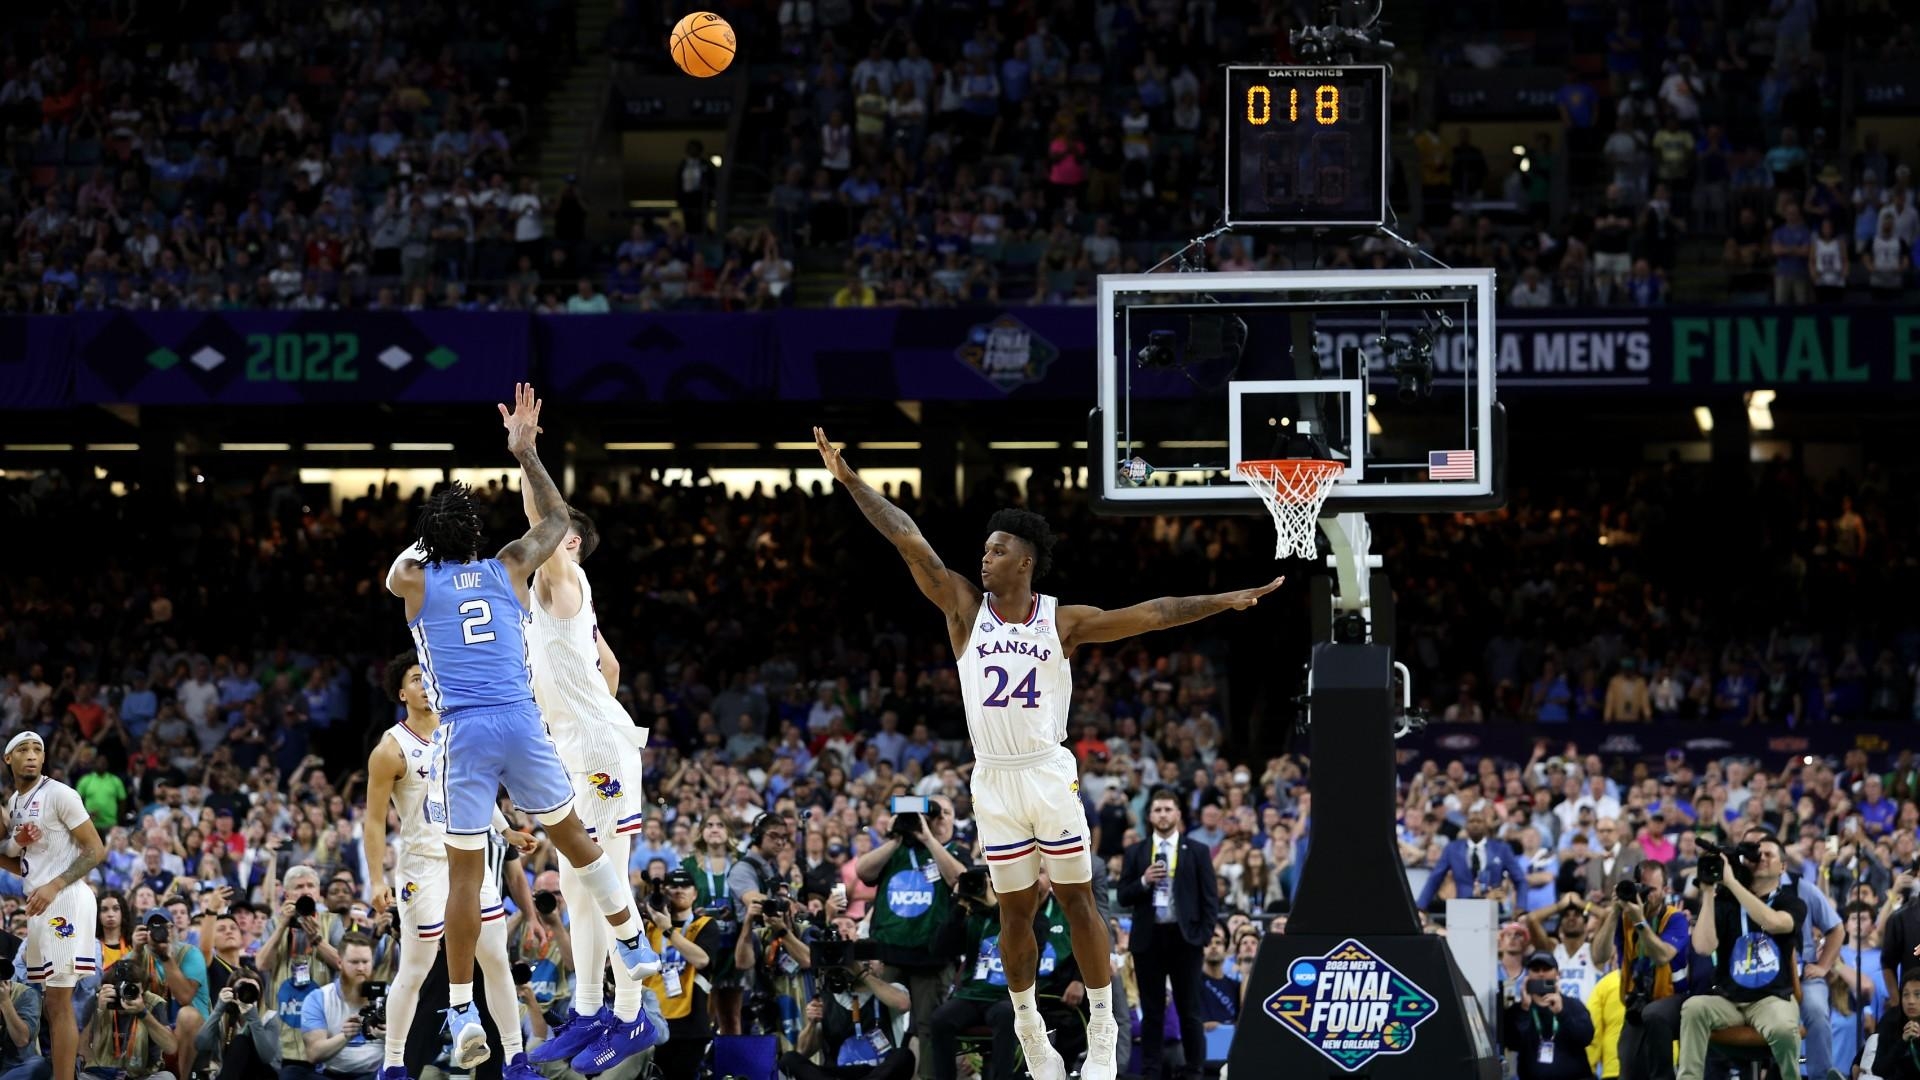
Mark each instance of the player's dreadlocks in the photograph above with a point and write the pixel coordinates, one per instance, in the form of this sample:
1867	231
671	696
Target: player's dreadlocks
1030	527
450	526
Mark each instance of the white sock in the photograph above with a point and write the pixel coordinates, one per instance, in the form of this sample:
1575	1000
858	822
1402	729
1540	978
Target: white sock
459	995
627	998
606	885
1100	1002
1026	1014
592	939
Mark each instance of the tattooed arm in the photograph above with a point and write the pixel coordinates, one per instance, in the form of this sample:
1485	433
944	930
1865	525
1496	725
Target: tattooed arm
955	595
92	853
1080	625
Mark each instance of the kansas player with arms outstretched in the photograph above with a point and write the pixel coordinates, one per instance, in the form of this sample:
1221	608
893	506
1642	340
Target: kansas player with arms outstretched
468	616
1012	646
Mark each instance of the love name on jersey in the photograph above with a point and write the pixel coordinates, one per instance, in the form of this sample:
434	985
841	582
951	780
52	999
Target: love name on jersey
1021	648
469	580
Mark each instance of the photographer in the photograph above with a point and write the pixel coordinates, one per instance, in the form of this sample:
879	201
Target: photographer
915	871
124	1040
299	954
775	952
1546	1029
1821	935
1901	934
540	940
1652	938
972	932
856	1029
686	944
1759	923
241	1042
343	1023
20	1014
176	971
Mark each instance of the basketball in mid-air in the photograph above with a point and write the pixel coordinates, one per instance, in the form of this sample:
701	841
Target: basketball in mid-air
702	44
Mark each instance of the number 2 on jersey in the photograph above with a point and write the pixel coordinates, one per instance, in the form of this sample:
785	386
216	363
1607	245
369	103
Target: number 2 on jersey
470	631
1026	691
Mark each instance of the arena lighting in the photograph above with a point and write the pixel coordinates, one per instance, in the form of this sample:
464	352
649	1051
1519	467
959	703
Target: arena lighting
244	447
1020	444
1703	416
889	445
728	445
640	446
113	447
413	446
36	447
800	446
715	159
1760	410
1193	444
338	447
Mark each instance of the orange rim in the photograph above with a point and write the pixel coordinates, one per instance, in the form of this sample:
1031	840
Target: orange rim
1285	473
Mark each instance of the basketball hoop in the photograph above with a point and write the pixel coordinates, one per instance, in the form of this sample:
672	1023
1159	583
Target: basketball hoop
1294	490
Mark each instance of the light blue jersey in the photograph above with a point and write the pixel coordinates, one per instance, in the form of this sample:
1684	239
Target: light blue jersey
470	637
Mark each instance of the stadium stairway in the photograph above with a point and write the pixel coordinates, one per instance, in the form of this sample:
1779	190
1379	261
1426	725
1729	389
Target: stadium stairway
571	113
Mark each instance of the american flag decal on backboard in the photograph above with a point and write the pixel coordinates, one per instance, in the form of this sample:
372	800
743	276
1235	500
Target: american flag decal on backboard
1450	465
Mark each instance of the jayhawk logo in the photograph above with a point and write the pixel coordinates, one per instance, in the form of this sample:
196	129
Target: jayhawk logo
60	926
407	891
604	785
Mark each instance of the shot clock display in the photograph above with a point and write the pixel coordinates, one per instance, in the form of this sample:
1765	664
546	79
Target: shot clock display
1306	145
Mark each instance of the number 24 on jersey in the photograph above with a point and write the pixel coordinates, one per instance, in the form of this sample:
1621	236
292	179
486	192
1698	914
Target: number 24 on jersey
1026	691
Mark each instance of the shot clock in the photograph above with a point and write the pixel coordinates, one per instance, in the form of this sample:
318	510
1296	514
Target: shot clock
1306	145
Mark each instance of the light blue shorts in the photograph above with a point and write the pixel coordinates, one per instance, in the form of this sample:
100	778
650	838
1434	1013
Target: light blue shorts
487	748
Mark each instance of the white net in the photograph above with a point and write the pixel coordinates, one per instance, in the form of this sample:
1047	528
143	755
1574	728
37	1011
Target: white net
1293	491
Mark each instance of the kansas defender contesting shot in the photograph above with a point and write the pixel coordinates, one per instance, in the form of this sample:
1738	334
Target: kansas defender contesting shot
468	617
1012	646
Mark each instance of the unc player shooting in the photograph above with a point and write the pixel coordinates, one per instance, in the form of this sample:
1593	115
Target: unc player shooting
399	772
468	616
1012	646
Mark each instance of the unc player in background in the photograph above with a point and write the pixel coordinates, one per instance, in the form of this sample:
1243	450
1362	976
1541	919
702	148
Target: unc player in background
52	843
398	772
1012	645
468	617
575	677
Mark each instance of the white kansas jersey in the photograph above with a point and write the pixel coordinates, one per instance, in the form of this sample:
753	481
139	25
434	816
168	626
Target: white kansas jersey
422	846
590	728
57	810
1015	682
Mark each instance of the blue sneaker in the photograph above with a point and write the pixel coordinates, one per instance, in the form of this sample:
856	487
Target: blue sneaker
519	1069
571	1037
621	1040
639	958
469	1038
393	1072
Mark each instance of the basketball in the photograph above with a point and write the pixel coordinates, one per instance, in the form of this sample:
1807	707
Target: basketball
702	44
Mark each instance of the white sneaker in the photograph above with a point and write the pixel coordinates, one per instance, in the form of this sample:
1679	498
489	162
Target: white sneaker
1043	1061
1102	1039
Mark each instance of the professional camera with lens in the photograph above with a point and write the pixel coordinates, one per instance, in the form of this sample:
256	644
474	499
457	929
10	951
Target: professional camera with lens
374	1013
778	907
304	907
129	996
833	958
246	992
1542	987
545	902
1715	857
910	816
970	890
1632	892
522	974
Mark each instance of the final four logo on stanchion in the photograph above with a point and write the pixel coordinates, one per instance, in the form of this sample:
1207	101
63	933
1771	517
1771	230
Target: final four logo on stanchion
1350	1005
